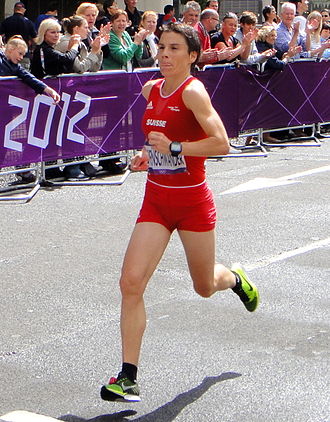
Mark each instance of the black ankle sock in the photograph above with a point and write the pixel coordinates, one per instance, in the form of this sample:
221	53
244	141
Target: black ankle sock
129	370
238	285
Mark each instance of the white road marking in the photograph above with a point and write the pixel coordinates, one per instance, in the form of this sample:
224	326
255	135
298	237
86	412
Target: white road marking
289	254
266	182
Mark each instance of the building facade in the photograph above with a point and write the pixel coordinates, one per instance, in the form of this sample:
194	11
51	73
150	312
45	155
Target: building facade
67	7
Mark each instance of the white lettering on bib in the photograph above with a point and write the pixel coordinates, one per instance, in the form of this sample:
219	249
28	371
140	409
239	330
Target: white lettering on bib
165	163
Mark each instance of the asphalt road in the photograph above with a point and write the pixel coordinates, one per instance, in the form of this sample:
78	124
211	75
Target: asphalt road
202	359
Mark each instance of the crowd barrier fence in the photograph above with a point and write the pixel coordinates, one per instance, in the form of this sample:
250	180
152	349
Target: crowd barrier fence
100	113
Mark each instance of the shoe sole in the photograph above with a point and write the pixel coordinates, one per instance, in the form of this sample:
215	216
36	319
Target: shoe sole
75	179
109	395
241	272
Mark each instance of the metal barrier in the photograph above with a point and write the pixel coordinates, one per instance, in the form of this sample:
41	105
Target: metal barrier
318	130
15	191
93	181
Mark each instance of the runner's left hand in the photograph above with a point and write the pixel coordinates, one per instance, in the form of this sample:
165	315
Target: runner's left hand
159	142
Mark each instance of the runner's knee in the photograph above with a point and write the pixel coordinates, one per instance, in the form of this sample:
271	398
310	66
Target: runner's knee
203	290
131	284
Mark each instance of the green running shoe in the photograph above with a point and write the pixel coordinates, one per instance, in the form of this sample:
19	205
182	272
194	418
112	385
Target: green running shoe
248	293
121	389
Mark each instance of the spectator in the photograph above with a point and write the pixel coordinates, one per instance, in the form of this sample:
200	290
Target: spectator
49	61
10	58
168	15
325	15
18	24
212	4
325	32
90	12
325	36
265	41
150	50
270	16
165	19
313	35
87	60
226	39
122	48
13	54
248	22
134	16
191	13
208	21
288	33
51	12
301	8
110	7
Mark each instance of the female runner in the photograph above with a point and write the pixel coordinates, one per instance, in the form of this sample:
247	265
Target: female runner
182	129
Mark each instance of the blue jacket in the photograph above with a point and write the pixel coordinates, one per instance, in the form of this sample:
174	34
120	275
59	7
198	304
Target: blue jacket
8	68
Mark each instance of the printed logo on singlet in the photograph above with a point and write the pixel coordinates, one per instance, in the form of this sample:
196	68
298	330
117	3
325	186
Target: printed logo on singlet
149	106
164	163
158	123
174	108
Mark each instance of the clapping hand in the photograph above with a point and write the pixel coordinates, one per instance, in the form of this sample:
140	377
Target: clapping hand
96	45
104	33
74	41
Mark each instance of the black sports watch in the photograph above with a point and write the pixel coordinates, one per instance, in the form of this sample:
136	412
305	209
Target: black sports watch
175	148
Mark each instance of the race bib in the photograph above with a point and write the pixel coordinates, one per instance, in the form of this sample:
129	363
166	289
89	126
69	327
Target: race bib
164	163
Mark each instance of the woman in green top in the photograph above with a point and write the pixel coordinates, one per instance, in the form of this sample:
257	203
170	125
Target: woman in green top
122	48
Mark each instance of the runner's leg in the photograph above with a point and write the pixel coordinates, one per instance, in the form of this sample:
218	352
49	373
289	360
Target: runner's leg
146	247
208	277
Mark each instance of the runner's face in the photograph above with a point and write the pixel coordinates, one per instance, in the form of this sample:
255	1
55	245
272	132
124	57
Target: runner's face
15	54
173	56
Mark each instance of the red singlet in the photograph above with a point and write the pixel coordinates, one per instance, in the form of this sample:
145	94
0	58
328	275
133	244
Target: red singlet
177	195
169	115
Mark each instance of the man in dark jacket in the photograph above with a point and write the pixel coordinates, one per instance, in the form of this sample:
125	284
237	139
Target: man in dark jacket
18	24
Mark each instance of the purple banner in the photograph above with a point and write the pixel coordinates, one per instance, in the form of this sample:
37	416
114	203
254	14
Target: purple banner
297	95
101	113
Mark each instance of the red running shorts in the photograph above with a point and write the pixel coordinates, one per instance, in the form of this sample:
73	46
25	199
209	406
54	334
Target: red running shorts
185	208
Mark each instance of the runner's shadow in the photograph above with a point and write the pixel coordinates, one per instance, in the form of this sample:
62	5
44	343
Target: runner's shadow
165	413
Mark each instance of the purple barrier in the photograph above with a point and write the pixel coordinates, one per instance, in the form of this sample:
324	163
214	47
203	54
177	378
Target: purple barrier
96	115
297	95
101	113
